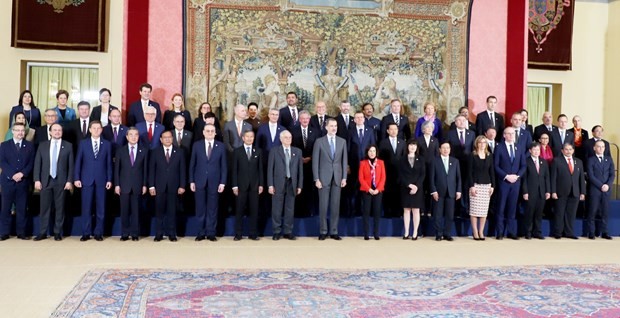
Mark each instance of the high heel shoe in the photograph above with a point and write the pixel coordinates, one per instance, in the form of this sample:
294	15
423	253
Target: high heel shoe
415	238
406	237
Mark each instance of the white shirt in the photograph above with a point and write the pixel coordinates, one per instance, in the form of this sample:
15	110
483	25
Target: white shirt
58	142
168	149
207	142
96	141
273	129
427	139
290	109
87	120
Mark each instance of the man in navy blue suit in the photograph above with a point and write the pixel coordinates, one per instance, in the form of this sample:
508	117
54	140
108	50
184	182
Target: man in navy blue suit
207	177
289	115
490	118
404	130
445	182
371	121
509	168
93	174
360	137
561	136
17	162
523	138
137	108
601	174
150	130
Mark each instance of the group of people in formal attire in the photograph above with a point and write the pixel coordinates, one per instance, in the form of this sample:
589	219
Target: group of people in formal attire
297	164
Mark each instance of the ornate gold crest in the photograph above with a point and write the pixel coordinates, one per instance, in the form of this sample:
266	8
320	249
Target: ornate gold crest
59	5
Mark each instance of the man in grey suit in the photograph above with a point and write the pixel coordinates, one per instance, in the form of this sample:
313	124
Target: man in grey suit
329	170
233	129
53	175
285	179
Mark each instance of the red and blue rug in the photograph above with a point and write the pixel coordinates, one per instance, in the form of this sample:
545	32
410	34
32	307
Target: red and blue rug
528	291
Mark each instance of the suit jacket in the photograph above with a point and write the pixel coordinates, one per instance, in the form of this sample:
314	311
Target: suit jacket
563	182
232	139
324	168
430	152
584	134
247	174
95	114
90	170
130	178
375	124
69	116
524	141
298	139
167	176
461	152
168	120
136	114
187	140
357	147
121	138
589	147
391	158
556	141
263	138
600	173
536	183
73	133
540	129
64	166
209	172
503	165
437	132
285	119
471	126
199	125
365	177
144	134
314	122
412	175
404	131
343	128
13	161
445	184
483	122
41	134
254	123
276	169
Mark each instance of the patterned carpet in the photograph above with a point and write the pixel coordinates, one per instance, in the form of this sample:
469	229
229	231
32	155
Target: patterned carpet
532	291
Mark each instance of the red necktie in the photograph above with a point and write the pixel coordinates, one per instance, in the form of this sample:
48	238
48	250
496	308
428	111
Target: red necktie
570	165
150	132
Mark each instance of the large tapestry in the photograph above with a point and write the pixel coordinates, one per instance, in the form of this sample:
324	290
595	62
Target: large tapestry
241	51
551	34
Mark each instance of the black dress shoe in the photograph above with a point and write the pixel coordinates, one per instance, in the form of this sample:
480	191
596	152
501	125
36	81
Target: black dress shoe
173	238
377	237
4	237
290	237
448	238
540	237
437	238
40	237
124	238
322	237
98	238
528	237
366	238
513	237
499	237
211	238
84	238
335	237
254	238
237	238
572	237
135	238
57	237
200	238
23	237
606	236
276	237
158	238
557	237
591	236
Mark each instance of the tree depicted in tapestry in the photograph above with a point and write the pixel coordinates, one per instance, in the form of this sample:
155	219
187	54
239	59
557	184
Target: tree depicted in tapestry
544	17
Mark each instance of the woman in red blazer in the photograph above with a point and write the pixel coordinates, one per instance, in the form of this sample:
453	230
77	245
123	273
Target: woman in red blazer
372	184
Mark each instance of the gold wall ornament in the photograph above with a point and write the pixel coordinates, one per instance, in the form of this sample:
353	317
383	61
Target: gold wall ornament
457	11
59	5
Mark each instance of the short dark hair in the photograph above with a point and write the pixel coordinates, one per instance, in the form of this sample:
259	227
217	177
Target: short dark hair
210	115
560	116
247	131
291	93
369	104
147	85
62	92
93	122
252	104
83	103
597	126
491	96
534	144
391	124
463	107
413	141
103	90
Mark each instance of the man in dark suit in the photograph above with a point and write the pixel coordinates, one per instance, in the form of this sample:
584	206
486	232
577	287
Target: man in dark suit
568	187
329	171
428	148
360	137
130	179
489	118
77	129
247	182
253	117
137	109
371	121
525	124
464	111
181	138
601	174
150	130
561	136
304	136
597	134
53	176
284	180
445	182
461	142
93	174
523	139
391	150
344	120
234	129
115	132
318	121
207	177
546	127
404	131
167	180
490	136
581	137
42	133
536	189
289	115
16	162
509	169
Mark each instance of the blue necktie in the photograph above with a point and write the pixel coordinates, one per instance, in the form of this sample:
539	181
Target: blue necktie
54	160
332	146
512	153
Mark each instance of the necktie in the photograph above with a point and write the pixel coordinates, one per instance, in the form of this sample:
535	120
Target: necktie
179	137
132	155
332	147
537	165
600	159
321	121
446	164
491	118
150	132
294	115
115	133
491	146
168	155
517	135
96	148
361	134
562	136
18	146
397	121
248	152
462	138
54	159
83	128
346	120
304	135
393	144
287	162
209	151
239	128
570	165
550	128
512	153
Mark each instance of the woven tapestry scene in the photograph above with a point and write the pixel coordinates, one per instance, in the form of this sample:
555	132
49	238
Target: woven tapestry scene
529	291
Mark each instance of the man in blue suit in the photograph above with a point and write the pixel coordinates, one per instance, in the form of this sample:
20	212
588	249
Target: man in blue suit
523	138
445	182
207	177
360	137
93	174
371	121
137	108
601	174
16	161
510	167
150	130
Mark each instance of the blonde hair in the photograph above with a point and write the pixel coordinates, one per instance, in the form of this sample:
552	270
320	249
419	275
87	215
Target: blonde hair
486	145
182	102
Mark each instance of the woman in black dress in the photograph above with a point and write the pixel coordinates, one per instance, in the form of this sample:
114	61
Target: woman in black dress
177	107
411	181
